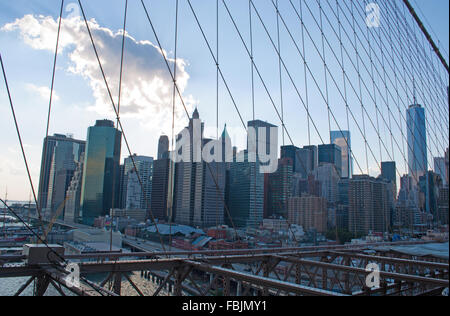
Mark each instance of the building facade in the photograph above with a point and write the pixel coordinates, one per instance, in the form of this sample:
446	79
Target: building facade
246	196
417	142
343	140
101	173
310	212
137	186
331	153
368	205
280	188
60	157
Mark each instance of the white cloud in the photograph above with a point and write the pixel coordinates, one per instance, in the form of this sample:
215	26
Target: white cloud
146	85
43	92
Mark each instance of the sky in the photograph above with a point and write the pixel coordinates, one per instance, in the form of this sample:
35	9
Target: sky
27	44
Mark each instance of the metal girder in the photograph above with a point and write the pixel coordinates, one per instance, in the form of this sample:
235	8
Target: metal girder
262	281
235	252
332	268
130	266
383	274
19	271
24	286
427	264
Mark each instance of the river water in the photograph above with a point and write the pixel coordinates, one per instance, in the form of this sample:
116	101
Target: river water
9	286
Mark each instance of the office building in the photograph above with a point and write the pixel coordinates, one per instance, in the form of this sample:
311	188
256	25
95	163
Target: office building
310	212
160	188
246	196
417	142
331	153
328	177
442	216
304	159
343	140
101	174
60	157
163	147
73	195
280	188
137	186
389	173
199	186
368	205
261	127
440	169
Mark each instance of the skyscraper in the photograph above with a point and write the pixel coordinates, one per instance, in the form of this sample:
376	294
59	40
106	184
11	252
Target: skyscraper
417	142
259	125
160	188
304	159
134	195
389	172
280	188
439	168
328	176
60	156
184	186
209	197
407	212
246	196
331	153
343	140
73	194
101	175
199	185
368	205
163	147
310	212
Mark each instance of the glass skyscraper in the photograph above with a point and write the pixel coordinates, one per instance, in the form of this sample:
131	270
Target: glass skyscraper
246	196
303	159
417	142
60	156
331	153
133	195
101	173
343	140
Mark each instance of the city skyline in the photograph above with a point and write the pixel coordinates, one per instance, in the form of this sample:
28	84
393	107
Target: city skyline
248	148
78	100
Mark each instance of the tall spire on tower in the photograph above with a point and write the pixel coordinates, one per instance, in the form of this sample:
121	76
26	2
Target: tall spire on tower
195	115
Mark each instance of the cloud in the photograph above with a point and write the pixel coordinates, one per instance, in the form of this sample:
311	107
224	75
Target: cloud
146	86
43	92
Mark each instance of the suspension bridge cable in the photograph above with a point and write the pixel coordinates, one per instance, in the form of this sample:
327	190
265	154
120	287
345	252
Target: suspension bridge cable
119	121
51	96
250	13
419	131
306	73
424	61
212	55
118	117
21	143
220	72
171	164
372	99
280	71
427	35
332	77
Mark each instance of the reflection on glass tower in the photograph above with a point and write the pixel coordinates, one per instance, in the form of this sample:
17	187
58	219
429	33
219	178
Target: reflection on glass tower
60	157
100	188
343	140
417	142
